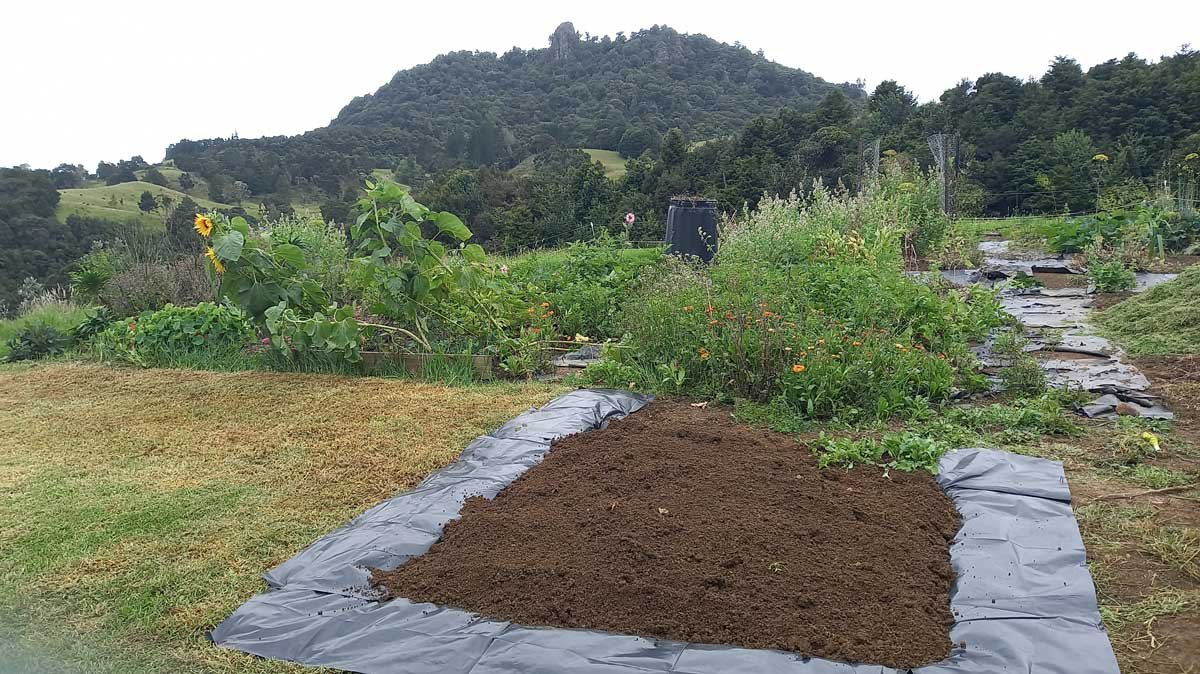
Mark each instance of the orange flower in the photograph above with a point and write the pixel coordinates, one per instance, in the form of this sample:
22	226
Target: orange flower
729	316
545	305
713	322
941	356
803	354
531	310
534	331
899	346
855	343
798	368
767	314
709	309
703	353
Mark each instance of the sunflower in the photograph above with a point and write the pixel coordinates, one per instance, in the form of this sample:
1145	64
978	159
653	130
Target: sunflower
212	257
203	225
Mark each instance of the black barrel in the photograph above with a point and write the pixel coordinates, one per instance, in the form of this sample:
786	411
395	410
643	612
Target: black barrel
692	227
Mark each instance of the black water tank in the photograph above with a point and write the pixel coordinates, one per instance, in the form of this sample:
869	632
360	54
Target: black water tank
692	227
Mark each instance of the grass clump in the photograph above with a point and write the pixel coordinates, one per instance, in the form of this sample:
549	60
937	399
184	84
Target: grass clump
1024	375
1163	320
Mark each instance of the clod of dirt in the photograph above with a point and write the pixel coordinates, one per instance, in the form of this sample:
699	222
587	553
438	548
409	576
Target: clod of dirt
679	523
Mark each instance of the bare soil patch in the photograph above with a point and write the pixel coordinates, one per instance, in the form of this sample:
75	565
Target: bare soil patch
1174	263
679	523
1053	280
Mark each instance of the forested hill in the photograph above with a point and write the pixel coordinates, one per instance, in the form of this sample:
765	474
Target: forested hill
594	92
477	108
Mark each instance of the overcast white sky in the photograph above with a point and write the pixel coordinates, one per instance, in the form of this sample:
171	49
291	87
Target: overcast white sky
85	81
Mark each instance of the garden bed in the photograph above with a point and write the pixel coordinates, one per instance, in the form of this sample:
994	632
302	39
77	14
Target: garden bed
678	523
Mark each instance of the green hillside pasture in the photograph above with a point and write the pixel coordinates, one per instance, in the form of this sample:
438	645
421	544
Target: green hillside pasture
614	165
119	203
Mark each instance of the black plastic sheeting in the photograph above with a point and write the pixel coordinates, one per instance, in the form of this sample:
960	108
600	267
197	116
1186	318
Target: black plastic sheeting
1023	600
692	228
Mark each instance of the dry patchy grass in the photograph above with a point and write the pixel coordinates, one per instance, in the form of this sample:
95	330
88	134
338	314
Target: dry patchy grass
138	507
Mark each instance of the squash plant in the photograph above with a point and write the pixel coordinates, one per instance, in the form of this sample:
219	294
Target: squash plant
409	271
256	274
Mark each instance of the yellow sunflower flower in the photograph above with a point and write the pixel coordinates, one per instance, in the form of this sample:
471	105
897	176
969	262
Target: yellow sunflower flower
203	225
212	257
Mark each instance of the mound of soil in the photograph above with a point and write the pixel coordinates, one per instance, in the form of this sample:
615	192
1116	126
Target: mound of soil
678	523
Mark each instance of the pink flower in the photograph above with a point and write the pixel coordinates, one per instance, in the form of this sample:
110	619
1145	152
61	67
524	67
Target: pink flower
265	340
503	269
630	218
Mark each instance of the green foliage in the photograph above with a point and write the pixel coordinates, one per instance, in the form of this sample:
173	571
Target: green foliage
36	340
1139	231
407	271
92	273
33	242
1023	375
158	337
95	321
257	273
1162	320
901	451
1108	274
146	285
146	202
1014	422
335	334
324	247
587	283
61	316
802	305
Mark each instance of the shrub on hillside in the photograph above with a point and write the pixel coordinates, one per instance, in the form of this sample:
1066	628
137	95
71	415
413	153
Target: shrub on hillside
806	305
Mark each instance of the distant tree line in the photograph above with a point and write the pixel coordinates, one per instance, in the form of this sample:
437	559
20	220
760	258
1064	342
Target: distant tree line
33	243
1068	142
472	109
693	115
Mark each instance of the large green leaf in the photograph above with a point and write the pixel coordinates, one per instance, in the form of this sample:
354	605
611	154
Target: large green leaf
229	245
290	255
449	224
474	253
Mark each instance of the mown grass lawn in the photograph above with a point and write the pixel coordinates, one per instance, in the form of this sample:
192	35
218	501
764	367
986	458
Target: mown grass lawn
138	507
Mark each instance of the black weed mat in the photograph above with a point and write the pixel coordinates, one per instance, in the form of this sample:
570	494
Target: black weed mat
1023	600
